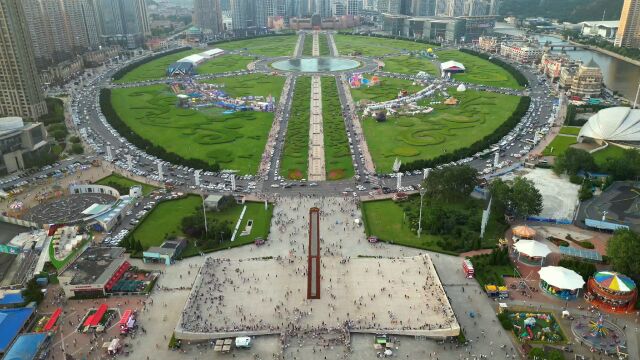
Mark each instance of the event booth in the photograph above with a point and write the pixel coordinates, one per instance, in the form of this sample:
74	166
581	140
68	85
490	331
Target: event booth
531	252
561	282
612	291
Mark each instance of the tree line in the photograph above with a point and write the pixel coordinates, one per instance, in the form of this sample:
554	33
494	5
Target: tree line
143	144
477	146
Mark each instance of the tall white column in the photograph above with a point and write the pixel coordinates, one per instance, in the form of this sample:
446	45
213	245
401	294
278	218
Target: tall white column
496	159
233	182
109	154
399	181
160	172
196	175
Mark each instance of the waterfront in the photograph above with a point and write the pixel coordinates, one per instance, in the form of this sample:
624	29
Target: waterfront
619	75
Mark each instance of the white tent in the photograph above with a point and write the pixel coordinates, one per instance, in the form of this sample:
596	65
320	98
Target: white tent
461	88
561	278
532	248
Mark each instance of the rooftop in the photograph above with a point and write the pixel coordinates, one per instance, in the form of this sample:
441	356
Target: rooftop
26	347
11	322
95	265
609	24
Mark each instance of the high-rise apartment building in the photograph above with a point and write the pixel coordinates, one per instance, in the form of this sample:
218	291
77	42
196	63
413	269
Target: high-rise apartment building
354	7
423	7
123	21
20	87
243	14
629	28
207	14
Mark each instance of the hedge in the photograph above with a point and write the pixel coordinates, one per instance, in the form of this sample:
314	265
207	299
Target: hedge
477	146
143	144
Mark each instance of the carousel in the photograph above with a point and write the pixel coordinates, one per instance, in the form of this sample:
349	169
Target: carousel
523	232
612	291
531	252
560	282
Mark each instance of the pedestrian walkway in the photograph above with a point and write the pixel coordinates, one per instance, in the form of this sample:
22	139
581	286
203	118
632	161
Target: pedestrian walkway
316	169
315	49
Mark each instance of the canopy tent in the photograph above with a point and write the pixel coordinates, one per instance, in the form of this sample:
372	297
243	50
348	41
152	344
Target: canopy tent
614	281
532	248
524	231
561	278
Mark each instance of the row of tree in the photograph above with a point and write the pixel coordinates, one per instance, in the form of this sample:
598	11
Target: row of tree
477	146
236	38
619	168
521	79
421	41
123	71
147	146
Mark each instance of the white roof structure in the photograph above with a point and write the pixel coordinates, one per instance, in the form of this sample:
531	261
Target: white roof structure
560	277
608	24
461	88
451	64
532	248
195	59
211	53
613	124
10	124
243	341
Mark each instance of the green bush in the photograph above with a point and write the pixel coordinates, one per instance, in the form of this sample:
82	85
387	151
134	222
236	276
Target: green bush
505	321
77	149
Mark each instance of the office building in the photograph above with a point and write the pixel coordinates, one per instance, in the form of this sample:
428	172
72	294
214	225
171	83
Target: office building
20	87
423	7
392	7
243	14
628	34
354	7
207	15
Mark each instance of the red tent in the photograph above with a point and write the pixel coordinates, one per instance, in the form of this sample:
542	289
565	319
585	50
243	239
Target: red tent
125	317
52	321
94	319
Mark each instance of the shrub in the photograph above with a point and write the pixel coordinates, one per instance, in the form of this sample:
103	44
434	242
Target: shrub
505	321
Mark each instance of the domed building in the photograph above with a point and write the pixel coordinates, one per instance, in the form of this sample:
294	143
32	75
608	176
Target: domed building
617	124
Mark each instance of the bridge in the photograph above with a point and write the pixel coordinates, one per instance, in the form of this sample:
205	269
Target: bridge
565	47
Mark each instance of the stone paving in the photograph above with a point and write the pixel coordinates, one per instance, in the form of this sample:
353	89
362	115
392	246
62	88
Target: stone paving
316	171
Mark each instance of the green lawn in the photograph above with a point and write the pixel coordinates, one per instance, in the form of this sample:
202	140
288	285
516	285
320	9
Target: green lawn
407	64
570	130
479	71
307	48
224	63
324	45
610	152
387	89
265	46
60	263
385	219
447	128
372	46
338	162
235	141
166	218
156	69
125	182
295	157
559	145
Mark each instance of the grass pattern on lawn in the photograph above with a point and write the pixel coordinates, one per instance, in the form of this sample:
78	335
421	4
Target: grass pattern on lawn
338	162
447	128
407	64
295	156
479	71
236	141
373	46
387	89
265	46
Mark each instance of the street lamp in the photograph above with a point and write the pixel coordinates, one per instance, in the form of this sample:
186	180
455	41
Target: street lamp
423	191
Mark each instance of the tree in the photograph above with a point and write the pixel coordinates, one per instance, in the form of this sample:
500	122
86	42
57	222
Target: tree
521	199
623	250
32	292
573	160
525	197
625	167
452	183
